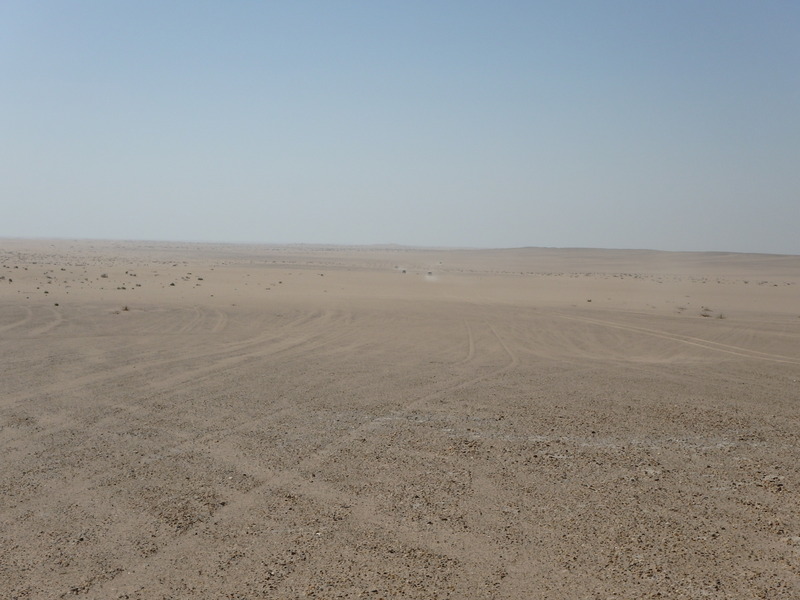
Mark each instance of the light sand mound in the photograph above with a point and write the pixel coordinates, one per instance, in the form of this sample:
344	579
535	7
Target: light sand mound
215	421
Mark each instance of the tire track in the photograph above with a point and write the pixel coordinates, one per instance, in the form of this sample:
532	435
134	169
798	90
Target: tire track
282	349
366	511
28	316
513	362
470	344
291	348
58	320
198	316
318	457
221	322
512	355
692	341
137	367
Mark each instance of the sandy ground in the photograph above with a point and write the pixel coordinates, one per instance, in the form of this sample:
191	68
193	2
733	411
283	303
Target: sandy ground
221	421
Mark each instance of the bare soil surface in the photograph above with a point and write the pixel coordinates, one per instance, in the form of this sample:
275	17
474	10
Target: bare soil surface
228	421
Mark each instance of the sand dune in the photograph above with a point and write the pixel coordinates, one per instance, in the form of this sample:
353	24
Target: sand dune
232	421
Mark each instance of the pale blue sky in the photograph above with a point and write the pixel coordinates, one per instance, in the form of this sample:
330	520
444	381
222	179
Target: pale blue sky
667	125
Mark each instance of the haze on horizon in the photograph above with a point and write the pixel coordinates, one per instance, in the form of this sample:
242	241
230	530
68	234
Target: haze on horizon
671	126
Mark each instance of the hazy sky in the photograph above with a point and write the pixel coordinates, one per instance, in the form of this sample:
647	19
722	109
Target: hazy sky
671	125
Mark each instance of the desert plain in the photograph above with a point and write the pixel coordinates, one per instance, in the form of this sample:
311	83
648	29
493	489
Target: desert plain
248	421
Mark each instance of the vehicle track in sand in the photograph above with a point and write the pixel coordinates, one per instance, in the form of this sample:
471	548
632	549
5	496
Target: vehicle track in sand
20	322
684	339
222	354
301	481
58	319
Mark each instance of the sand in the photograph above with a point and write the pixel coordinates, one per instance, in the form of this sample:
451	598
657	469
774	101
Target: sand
231	421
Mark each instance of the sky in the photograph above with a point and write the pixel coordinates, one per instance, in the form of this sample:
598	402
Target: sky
611	124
